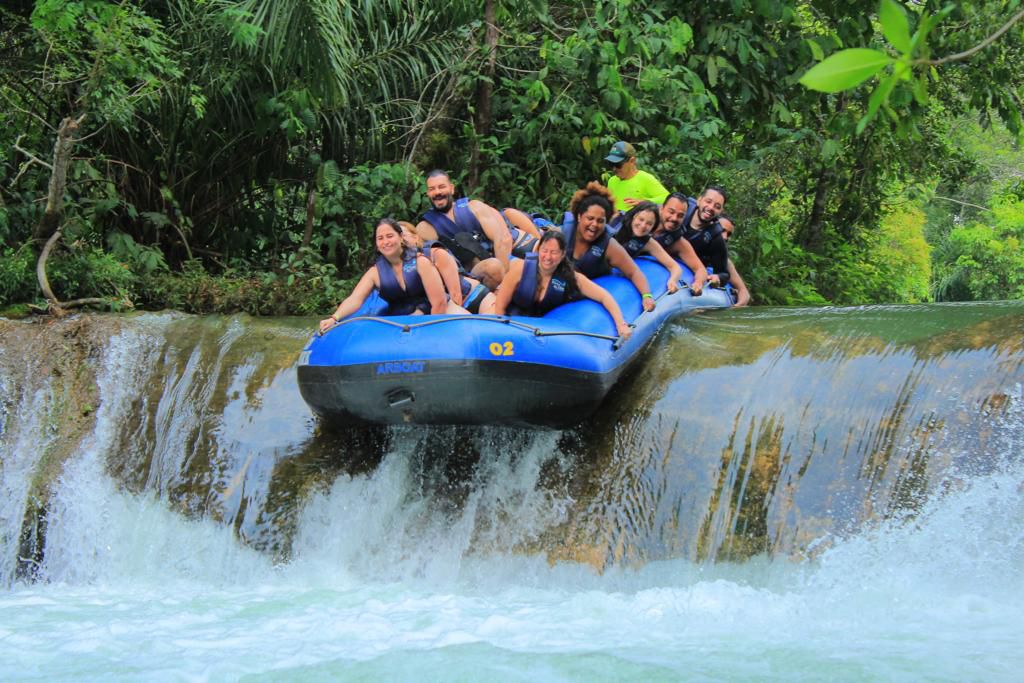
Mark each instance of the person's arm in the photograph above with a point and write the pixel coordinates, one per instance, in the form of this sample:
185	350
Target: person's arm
742	293
601	295
522	222
619	258
426	231
503	297
495	229
432	285
683	250
449	271
675	273
353	301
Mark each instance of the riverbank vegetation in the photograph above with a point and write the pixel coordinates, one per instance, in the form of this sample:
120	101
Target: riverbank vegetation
216	156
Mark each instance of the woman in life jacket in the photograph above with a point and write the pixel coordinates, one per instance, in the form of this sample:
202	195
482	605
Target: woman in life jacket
463	290
592	250
545	279
635	236
407	280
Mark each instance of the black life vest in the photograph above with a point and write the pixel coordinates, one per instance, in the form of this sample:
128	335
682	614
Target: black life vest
523	301
634	246
670	237
402	301
594	261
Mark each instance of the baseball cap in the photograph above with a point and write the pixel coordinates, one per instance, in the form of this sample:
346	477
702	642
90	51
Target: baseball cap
620	152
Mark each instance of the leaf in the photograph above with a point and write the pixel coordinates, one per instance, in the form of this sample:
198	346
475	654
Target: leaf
586	144
816	50
879	97
712	73
845	69
895	26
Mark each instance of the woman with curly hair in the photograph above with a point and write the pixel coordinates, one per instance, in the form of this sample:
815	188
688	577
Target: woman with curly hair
591	248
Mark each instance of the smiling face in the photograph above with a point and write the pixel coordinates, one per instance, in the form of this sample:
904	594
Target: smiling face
727	228
643	222
389	241
672	213
591	223
549	256
441	192
709	206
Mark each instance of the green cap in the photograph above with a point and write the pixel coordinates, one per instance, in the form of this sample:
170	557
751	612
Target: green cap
620	152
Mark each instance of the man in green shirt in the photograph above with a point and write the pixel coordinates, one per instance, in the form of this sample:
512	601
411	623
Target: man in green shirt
630	185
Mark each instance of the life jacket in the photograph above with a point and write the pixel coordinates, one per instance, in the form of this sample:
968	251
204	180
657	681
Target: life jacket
594	262
523	302
464	237
670	237
402	301
635	245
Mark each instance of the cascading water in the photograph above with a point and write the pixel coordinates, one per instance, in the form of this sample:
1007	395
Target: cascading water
775	495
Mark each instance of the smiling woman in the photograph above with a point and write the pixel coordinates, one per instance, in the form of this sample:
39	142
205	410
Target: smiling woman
405	279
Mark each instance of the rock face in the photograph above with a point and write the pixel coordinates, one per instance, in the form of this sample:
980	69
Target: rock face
740	436
48	400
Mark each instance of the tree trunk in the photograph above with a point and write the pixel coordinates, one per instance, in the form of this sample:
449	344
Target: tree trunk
482	124
58	178
814	233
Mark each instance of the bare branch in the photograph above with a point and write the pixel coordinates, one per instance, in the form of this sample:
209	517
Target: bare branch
980	46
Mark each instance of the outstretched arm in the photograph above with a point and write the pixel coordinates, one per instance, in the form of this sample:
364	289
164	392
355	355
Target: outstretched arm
503	297
675	273
601	295
683	250
742	293
619	258
495	229
353	301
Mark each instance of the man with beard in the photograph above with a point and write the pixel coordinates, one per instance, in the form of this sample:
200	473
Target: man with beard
472	230
670	236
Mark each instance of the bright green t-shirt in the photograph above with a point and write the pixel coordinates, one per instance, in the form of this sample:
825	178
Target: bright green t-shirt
641	186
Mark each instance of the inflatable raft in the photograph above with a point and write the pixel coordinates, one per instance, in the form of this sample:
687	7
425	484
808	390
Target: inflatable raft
551	371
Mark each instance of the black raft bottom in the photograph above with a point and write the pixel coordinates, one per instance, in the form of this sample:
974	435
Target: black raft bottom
453	392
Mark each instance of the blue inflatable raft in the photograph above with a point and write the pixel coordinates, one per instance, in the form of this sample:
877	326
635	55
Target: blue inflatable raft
551	371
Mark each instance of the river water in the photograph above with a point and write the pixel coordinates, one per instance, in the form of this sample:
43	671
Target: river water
777	494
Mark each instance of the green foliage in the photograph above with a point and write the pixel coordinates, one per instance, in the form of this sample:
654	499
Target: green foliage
90	272
17	275
985	259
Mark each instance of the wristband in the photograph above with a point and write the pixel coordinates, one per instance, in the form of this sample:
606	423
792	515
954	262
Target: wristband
648	295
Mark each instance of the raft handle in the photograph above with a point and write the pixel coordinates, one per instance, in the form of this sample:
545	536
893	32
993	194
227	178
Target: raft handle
400	397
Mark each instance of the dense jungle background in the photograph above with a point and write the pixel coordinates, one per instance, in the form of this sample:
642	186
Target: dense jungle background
216	156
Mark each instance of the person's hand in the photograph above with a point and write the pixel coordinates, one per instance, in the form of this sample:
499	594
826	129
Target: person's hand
648	303
672	286
631	201
714	280
625	331
697	287
742	298
327	323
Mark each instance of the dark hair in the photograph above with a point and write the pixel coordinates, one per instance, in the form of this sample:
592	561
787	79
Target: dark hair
677	195
439	172
716	188
625	233
407	253
564	270
594	194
